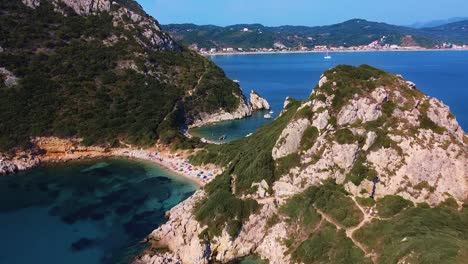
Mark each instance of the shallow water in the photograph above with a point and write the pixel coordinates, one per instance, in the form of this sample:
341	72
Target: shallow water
84	212
439	74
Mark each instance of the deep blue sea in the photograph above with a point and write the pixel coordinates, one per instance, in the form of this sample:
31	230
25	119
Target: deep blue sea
443	75
84	212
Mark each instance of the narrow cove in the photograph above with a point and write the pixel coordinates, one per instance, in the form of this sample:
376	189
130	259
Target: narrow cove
93	211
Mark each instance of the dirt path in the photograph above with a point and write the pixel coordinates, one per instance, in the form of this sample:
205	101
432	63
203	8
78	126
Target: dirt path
350	231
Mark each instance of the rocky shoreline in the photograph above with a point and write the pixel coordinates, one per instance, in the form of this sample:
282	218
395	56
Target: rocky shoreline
246	108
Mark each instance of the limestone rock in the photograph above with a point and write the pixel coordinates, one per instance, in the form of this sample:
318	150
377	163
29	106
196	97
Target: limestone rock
370	139
440	114
180	233
9	79
290	139
362	109
258	102
321	121
323	80
242	111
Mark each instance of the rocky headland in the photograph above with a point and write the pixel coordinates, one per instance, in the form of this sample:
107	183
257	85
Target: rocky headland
367	149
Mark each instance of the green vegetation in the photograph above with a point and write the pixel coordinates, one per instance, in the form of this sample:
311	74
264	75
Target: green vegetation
247	160
419	235
366	202
361	171
328	245
224	210
285	164
331	198
315	241
391	205
427	123
309	137
345	136
305	112
350	81
353	33
72	84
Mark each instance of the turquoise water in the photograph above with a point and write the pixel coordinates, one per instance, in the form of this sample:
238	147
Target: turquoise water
84	212
439	74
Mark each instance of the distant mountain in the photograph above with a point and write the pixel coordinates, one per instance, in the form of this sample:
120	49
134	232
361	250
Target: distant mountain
436	23
456	32
354	32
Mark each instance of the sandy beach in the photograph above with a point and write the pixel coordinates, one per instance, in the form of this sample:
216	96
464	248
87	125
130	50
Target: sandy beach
177	162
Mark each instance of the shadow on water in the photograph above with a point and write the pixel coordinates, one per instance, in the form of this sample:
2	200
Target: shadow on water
94	211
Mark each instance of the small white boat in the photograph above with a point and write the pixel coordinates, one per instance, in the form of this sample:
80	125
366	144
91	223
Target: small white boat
271	112
267	116
236	81
327	57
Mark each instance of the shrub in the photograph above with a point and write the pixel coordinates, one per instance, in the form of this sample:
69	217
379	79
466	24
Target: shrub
391	205
285	164
309	137
361	171
427	123
418	235
345	136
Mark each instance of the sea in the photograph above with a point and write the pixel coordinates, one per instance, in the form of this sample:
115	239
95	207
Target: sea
440	74
93	212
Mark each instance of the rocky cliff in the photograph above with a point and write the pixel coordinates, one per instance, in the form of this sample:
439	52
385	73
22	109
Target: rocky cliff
367	170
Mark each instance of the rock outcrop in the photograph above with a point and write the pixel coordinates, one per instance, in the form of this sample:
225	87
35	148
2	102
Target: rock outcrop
258	102
8	78
242	111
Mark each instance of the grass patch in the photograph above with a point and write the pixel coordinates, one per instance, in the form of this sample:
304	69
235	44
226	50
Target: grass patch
366	202
328	245
331	198
309	137
285	164
391	205
224	210
345	136
419	235
427	123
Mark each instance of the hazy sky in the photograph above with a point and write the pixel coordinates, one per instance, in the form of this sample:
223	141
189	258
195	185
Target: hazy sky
301	12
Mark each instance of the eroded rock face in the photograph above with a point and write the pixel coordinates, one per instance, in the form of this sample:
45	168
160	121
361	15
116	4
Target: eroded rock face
258	102
290	139
363	109
441	115
180	234
242	111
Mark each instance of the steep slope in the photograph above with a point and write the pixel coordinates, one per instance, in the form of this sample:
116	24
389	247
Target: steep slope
367	170
103	71
354	32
